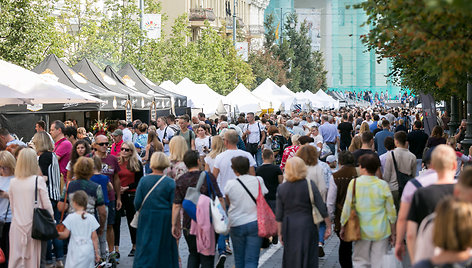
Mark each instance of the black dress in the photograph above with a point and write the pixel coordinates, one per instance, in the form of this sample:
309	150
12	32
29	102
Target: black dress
299	233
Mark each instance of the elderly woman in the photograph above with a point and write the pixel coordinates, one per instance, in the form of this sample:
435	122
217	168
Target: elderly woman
376	212
155	217
241	194
296	227
24	250
290	151
7	170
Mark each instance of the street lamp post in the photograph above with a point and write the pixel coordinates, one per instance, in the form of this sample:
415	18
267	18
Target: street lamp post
467	142
234	23
282	23
454	123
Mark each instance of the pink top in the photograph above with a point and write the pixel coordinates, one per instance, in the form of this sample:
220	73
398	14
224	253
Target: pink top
204	229
63	148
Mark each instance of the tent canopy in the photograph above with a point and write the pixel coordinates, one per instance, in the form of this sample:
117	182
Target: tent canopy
93	74
129	72
170	86
200	96
245	101
326	99
54	68
20	86
269	91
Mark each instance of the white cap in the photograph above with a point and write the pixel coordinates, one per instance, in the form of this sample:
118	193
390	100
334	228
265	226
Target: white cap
331	159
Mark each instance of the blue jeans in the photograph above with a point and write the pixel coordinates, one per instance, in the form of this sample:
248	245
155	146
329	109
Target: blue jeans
321	232
246	245
58	244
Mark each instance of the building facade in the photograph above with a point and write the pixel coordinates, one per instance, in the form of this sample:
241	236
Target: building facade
219	13
335	30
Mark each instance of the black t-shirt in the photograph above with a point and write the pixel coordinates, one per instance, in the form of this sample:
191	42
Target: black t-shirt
360	152
417	140
425	200
269	174
345	130
44	161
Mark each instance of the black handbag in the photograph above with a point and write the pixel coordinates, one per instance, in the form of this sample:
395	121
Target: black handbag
44	226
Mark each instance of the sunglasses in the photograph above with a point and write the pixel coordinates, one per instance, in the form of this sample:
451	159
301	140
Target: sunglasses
125	149
102	144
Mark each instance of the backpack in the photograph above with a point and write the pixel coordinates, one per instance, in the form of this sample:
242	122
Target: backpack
54	179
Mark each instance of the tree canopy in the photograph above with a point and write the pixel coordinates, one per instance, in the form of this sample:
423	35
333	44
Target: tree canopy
428	41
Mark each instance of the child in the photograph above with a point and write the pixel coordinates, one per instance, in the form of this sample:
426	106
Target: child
332	162
81	227
103	181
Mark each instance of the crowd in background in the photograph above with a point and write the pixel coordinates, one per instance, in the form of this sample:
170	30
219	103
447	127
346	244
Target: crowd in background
410	190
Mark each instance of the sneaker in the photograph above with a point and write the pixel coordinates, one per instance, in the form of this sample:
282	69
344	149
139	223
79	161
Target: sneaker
321	252
59	264
228	248
221	261
131	253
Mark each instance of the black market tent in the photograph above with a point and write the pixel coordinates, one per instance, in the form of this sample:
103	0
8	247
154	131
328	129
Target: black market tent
129	72
159	99
53	67
92	73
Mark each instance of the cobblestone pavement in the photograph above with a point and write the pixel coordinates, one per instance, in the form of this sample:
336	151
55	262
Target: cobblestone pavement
269	258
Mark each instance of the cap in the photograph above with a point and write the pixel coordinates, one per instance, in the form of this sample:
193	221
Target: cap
331	159
117	132
137	145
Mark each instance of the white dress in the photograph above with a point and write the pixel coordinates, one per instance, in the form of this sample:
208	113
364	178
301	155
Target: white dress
81	253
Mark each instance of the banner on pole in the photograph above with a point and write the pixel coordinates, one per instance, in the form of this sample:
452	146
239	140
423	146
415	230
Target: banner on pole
152	25
243	50
429	110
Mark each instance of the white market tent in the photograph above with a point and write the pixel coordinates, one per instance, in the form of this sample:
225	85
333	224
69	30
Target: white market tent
170	86
326	99
245	101
200	96
278	97
21	86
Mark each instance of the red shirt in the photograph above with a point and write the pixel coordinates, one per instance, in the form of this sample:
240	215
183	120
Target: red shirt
288	153
126	176
116	148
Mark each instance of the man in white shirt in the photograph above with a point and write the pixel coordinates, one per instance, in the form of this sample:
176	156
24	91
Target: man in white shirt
223	172
127	135
254	136
165	133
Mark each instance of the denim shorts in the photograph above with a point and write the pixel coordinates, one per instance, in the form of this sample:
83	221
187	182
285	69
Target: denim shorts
111	213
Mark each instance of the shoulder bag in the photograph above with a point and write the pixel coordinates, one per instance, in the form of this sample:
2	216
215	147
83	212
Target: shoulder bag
317	218
191	197
352	228
44	226
218	214
402	178
134	222
60	226
266	223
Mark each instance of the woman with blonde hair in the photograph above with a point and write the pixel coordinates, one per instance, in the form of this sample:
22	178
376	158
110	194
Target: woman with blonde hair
131	171
44	149
7	170
356	143
24	250
284	132
296	227
177	149
155	217
452	233
364	128
217	147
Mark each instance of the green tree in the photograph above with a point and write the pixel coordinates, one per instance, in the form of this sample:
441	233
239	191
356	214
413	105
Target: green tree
430	47
27	32
265	65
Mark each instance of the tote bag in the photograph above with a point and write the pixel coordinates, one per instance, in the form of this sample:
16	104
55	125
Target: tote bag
218	215
191	197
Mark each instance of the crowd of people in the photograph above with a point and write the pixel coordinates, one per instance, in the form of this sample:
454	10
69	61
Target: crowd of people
409	190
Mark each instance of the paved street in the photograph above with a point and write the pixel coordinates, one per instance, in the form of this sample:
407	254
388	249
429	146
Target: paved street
269	258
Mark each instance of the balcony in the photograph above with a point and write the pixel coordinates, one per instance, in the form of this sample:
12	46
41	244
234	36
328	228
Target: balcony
229	23
201	14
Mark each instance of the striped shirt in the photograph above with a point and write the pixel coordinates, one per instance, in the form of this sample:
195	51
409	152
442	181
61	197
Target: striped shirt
374	207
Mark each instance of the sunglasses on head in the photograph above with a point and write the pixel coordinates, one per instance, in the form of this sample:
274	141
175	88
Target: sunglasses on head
102	144
125	149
